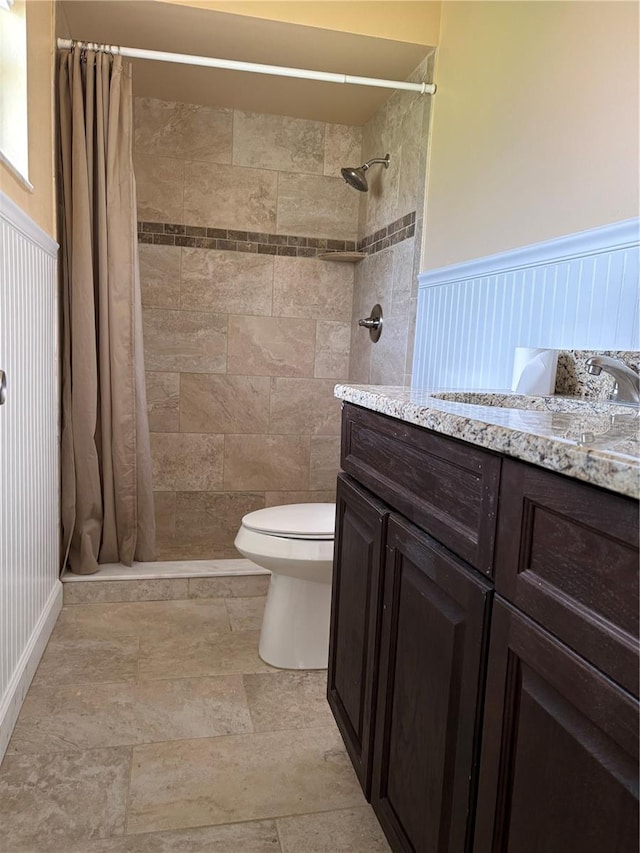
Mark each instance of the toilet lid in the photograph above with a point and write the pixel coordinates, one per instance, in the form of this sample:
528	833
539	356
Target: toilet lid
294	521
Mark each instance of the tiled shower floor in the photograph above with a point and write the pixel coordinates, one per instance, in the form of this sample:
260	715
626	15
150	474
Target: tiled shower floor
154	727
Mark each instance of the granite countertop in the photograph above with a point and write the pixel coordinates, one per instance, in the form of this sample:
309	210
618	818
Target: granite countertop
591	440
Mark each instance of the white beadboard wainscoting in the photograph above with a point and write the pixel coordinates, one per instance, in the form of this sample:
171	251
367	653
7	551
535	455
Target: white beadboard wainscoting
575	292
30	591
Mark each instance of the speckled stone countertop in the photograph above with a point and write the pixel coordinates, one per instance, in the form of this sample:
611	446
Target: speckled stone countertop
591	440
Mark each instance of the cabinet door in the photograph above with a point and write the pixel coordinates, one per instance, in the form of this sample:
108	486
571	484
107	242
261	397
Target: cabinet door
432	659
559	753
353	646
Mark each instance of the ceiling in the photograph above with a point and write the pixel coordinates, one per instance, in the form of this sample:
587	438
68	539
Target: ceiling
162	26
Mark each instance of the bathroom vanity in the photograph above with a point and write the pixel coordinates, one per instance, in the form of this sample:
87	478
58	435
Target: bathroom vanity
483	666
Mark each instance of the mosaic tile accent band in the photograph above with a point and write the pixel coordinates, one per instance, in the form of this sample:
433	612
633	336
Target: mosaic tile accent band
258	242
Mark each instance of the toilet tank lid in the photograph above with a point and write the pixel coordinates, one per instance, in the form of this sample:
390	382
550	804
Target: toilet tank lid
300	521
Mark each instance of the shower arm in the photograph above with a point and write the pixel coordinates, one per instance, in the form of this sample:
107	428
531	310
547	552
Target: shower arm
251	67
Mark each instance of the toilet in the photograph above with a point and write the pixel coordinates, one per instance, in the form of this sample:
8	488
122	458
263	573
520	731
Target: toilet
295	542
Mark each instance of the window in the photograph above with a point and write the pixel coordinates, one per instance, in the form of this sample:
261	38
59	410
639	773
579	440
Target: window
14	148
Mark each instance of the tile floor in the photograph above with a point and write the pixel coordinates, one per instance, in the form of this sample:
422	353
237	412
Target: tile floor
154	727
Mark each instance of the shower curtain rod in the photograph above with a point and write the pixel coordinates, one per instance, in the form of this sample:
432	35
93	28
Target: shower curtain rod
252	67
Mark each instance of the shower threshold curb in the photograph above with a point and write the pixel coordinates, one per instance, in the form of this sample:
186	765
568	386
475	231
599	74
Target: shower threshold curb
168	569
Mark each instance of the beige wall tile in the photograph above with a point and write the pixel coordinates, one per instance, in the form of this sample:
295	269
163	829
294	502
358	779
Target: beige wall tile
93	592
282	498
306	287
165	513
184	341
359	354
388	356
80	795
163	398
271	346
317	206
226	282
278	142
373	283
210	521
333	341
223	404
325	462
403	258
230	197
256	776
186	462
160	275
300	406
185	131
266	462
159	188
342	147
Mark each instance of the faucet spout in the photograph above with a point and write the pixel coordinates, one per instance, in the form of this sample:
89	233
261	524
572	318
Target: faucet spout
627	381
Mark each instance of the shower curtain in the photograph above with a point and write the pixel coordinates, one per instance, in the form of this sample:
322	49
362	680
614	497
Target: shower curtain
107	499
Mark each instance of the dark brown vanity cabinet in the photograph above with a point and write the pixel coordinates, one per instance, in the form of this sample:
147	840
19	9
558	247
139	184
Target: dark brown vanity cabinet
492	723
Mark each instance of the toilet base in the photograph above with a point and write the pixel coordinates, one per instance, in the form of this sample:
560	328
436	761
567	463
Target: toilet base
295	627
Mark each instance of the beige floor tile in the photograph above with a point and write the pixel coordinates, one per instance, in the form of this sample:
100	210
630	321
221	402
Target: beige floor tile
254	837
47	798
241	777
192	655
94	591
348	831
81	661
87	716
242	586
140	618
245	614
288	700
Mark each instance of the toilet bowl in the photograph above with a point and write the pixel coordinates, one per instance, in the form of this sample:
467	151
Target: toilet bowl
295	543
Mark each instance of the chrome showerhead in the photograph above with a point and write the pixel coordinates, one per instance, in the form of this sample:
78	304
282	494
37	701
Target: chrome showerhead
355	175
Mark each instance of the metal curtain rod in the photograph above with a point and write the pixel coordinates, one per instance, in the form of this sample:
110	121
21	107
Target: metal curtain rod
254	67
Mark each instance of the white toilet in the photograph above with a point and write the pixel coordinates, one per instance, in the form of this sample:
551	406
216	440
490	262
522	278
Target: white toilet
295	543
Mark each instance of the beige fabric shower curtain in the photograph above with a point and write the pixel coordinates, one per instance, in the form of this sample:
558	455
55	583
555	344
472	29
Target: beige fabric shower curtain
107	499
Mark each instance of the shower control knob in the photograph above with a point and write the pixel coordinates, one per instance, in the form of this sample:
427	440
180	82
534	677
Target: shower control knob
373	323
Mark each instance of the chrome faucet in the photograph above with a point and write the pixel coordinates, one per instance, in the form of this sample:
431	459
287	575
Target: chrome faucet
627	381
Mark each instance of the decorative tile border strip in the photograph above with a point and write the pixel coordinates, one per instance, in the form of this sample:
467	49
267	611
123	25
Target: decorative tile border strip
258	242
396	232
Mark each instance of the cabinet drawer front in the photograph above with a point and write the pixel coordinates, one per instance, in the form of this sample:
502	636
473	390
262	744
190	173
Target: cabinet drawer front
432	657
361	523
559	752
446	487
567	555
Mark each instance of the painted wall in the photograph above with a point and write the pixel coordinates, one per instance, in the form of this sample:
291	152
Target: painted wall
39	204
535	127
388	275
246	331
414	22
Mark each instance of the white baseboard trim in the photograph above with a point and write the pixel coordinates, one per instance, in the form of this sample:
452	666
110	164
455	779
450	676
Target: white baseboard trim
27	665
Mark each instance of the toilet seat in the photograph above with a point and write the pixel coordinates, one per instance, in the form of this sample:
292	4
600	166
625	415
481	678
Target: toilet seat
309	522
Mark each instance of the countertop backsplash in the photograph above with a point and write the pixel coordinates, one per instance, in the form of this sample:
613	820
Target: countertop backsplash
572	378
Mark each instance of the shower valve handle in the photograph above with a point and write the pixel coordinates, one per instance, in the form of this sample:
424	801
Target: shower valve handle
373	323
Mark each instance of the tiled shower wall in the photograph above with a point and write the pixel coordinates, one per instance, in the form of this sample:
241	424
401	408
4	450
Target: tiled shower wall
245	330
390	227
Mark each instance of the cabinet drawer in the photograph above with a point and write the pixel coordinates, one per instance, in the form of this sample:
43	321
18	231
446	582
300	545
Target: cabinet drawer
446	487
567	555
